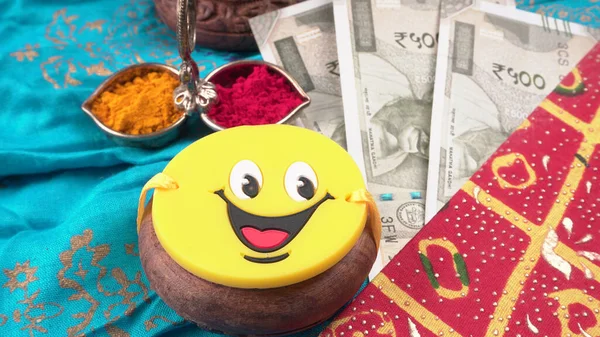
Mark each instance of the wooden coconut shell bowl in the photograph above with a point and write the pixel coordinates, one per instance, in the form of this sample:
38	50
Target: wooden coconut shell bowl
254	312
222	24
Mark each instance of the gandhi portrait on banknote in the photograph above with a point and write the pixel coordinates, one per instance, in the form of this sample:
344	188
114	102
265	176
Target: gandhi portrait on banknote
400	138
474	147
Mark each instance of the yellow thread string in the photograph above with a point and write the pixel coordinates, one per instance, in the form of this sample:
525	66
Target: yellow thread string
373	217
160	180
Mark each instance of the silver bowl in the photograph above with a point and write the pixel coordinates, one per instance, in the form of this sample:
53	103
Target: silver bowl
150	140
227	74
223	76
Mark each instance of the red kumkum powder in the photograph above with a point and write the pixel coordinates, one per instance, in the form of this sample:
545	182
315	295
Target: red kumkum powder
261	98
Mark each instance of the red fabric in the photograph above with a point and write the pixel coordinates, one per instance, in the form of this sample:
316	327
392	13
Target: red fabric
261	98
516	252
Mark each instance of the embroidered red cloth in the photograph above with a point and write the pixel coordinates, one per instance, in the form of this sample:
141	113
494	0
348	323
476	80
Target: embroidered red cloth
516	251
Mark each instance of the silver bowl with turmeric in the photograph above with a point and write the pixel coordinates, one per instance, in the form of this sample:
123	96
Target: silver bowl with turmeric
134	106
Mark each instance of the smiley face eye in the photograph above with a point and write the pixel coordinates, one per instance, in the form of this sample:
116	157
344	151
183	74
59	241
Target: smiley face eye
305	189
250	186
300	181
245	179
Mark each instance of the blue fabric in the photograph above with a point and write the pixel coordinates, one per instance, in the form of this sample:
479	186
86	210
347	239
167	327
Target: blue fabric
68	195
585	12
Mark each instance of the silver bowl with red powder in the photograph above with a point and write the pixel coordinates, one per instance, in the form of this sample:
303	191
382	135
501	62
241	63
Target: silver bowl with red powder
253	93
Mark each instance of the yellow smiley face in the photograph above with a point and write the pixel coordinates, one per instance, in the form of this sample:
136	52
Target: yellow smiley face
260	207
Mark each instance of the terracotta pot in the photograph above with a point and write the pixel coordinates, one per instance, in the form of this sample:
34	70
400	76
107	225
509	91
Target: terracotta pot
222	24
254	312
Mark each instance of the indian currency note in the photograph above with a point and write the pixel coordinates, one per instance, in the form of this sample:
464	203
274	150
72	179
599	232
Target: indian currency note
495	64
387	51
301	39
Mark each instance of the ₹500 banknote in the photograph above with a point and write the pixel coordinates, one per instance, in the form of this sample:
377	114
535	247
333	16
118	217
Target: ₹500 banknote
301	39
386	54
495	64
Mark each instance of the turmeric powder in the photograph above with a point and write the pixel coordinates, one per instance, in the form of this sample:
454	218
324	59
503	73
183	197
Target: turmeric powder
141	106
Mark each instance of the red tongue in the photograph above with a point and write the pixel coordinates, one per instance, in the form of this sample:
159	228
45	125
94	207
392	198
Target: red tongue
266	239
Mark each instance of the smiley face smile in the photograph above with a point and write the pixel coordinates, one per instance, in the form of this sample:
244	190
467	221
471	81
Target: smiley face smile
267	234
261	206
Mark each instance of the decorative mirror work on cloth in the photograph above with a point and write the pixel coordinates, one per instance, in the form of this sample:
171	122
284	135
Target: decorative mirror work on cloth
516	252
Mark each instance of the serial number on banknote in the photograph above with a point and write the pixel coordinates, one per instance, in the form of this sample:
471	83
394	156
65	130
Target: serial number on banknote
423	40
388	229
563	57
519	77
